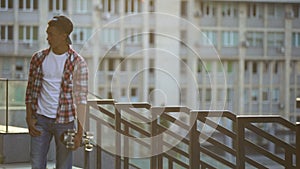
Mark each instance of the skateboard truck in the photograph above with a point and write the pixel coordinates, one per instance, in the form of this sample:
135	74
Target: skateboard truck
87	140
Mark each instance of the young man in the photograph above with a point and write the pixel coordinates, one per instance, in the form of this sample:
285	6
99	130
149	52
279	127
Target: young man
56	95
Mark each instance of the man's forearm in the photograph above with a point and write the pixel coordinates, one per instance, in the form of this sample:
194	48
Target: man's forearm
81	114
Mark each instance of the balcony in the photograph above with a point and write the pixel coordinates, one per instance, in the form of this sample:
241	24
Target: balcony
138	135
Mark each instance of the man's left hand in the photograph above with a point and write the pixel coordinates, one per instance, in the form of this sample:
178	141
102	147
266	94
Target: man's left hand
77	140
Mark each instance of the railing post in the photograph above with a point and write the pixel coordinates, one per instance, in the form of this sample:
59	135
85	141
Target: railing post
118	138
6	116
86	127
298	145
156	140
240	146
99	148
194	147
153	162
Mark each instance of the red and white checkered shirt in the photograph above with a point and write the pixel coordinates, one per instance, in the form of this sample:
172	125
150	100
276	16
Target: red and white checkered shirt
74	85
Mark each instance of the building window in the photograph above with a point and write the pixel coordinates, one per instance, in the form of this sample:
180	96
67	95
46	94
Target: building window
123	64
82	6
275	39
209	38
183	8
229	10
246	95
296	39
208	9
111	64
296	10
6	33
275	10
275	68
255	10
6	4
255	39
28	33
230	66
81	35
151	5
110	6
254	95
134	65
133	6
230	39
254	68
57	5
132	36
110	36
133	92
265	95
28	5
183	66
275	95
19	65
151	38
208	95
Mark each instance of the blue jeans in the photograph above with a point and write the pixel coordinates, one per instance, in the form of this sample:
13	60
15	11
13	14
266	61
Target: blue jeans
40	145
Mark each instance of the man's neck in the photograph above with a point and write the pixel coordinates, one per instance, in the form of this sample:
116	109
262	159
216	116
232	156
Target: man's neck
60	50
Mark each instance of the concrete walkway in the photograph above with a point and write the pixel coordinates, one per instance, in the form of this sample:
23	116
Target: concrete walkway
50	165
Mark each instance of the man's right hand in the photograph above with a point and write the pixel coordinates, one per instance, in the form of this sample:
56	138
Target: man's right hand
33	131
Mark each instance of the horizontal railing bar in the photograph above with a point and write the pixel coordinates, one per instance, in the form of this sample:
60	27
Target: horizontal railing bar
218	127
175	149
103	122
264	152
205	165
176	136
182	164
133	105
217	157
136	128
101	101
255	164
135	115
271	138
267	119
172	119
218	144
216	113
172	109
138	140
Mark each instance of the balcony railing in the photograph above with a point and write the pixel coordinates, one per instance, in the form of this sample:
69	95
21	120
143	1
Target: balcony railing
184	138
138	135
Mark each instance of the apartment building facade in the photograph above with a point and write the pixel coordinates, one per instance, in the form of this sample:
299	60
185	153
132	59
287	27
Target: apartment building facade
241	55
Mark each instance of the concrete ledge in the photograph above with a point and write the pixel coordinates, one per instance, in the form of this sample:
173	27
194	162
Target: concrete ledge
14	147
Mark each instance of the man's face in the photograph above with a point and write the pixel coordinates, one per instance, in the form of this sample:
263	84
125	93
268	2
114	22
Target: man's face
55	37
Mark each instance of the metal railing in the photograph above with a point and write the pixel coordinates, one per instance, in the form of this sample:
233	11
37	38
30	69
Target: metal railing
180	137
206	139
12	104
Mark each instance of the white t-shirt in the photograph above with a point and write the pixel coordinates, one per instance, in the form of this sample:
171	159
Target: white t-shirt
53	67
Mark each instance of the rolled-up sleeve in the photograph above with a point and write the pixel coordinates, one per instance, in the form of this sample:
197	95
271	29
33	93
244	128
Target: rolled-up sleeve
28	96
81	82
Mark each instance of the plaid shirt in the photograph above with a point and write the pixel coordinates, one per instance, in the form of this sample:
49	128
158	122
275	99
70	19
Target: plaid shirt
74	85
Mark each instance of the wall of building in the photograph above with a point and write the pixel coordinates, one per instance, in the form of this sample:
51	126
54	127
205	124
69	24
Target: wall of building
244	56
